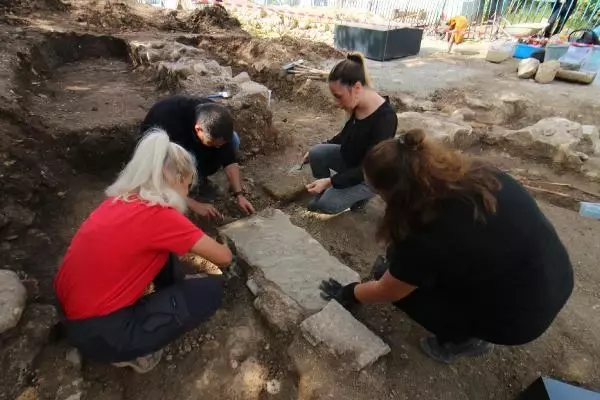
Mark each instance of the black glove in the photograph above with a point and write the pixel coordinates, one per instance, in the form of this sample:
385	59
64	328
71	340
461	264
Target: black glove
333	290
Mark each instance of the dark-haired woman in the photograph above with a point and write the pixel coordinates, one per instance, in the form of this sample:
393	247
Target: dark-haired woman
371	120
470	256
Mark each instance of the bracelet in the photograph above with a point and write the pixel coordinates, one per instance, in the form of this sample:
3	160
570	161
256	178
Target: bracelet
238	193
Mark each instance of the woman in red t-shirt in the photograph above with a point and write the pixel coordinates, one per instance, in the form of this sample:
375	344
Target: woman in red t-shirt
128	243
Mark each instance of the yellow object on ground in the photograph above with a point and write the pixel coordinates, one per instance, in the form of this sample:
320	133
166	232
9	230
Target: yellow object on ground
458	25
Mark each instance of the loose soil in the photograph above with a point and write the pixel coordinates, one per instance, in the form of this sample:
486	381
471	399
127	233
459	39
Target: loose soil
69	119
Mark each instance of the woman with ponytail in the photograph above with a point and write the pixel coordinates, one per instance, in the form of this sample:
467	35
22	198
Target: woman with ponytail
371	120
470	256
129	244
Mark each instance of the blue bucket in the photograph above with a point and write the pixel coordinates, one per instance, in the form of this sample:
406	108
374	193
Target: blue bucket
525	50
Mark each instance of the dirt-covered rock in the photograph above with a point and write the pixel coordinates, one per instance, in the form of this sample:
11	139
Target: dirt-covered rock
558	140
451	131
12	300
19	351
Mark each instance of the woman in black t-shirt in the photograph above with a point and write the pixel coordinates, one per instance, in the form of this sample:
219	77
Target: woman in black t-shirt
470	256
371	120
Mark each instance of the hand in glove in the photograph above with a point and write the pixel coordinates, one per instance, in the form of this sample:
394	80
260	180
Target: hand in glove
333	290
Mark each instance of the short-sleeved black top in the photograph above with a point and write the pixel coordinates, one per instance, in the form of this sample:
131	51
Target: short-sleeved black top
177	116
510	266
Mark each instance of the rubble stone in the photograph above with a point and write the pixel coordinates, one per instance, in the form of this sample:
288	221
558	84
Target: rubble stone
557	139
547	71
12	300
450	131
287	256
241	78
343	335
584	77
250	87
527	68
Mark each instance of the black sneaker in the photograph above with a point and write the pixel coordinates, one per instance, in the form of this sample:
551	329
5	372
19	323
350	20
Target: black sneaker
449	352
359	206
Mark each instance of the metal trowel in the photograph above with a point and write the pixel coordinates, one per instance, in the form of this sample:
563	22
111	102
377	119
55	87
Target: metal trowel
297	168
219	95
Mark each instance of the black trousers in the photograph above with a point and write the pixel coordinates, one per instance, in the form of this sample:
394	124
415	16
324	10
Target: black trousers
454	321
177	306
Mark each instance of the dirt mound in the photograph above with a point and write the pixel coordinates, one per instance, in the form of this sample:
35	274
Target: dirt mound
253	120
25	6
203	20
112	17
215	16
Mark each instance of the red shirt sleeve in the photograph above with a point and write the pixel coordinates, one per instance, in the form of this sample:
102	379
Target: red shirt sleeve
174	232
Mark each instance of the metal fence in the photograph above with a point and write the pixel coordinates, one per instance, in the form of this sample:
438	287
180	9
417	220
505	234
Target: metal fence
582	14
484	15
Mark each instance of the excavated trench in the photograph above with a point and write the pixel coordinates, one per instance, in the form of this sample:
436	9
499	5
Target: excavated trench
81	96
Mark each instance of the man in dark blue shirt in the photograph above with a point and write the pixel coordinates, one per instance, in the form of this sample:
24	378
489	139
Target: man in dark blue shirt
205	129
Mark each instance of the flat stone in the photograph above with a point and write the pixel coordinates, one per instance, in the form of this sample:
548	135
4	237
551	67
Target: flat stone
343	335
451	131
287	256
283	184
12	300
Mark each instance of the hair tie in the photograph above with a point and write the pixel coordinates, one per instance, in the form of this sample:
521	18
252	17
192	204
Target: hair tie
401	143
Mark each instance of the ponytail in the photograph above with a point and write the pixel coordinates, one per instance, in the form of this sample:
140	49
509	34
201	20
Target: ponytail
155	163
351	70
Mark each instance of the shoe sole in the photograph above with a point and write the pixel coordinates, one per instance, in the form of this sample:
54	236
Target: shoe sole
476	353
136	367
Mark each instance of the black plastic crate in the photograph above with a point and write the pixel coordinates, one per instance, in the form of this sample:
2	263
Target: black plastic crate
378	43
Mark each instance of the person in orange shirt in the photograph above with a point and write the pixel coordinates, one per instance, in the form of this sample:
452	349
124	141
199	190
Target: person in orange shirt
457	28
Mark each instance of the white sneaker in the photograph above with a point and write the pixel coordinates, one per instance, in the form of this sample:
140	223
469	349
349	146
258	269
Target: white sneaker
141	365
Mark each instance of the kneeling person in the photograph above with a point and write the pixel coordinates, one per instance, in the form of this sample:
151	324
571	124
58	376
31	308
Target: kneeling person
126	246
205	129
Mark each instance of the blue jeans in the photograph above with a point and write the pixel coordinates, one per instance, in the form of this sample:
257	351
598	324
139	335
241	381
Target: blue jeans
235	141
326	157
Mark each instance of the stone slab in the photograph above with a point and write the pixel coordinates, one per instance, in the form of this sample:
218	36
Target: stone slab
287	256
283	184
343	335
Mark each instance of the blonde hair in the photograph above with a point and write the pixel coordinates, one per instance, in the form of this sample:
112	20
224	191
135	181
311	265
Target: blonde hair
156	163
